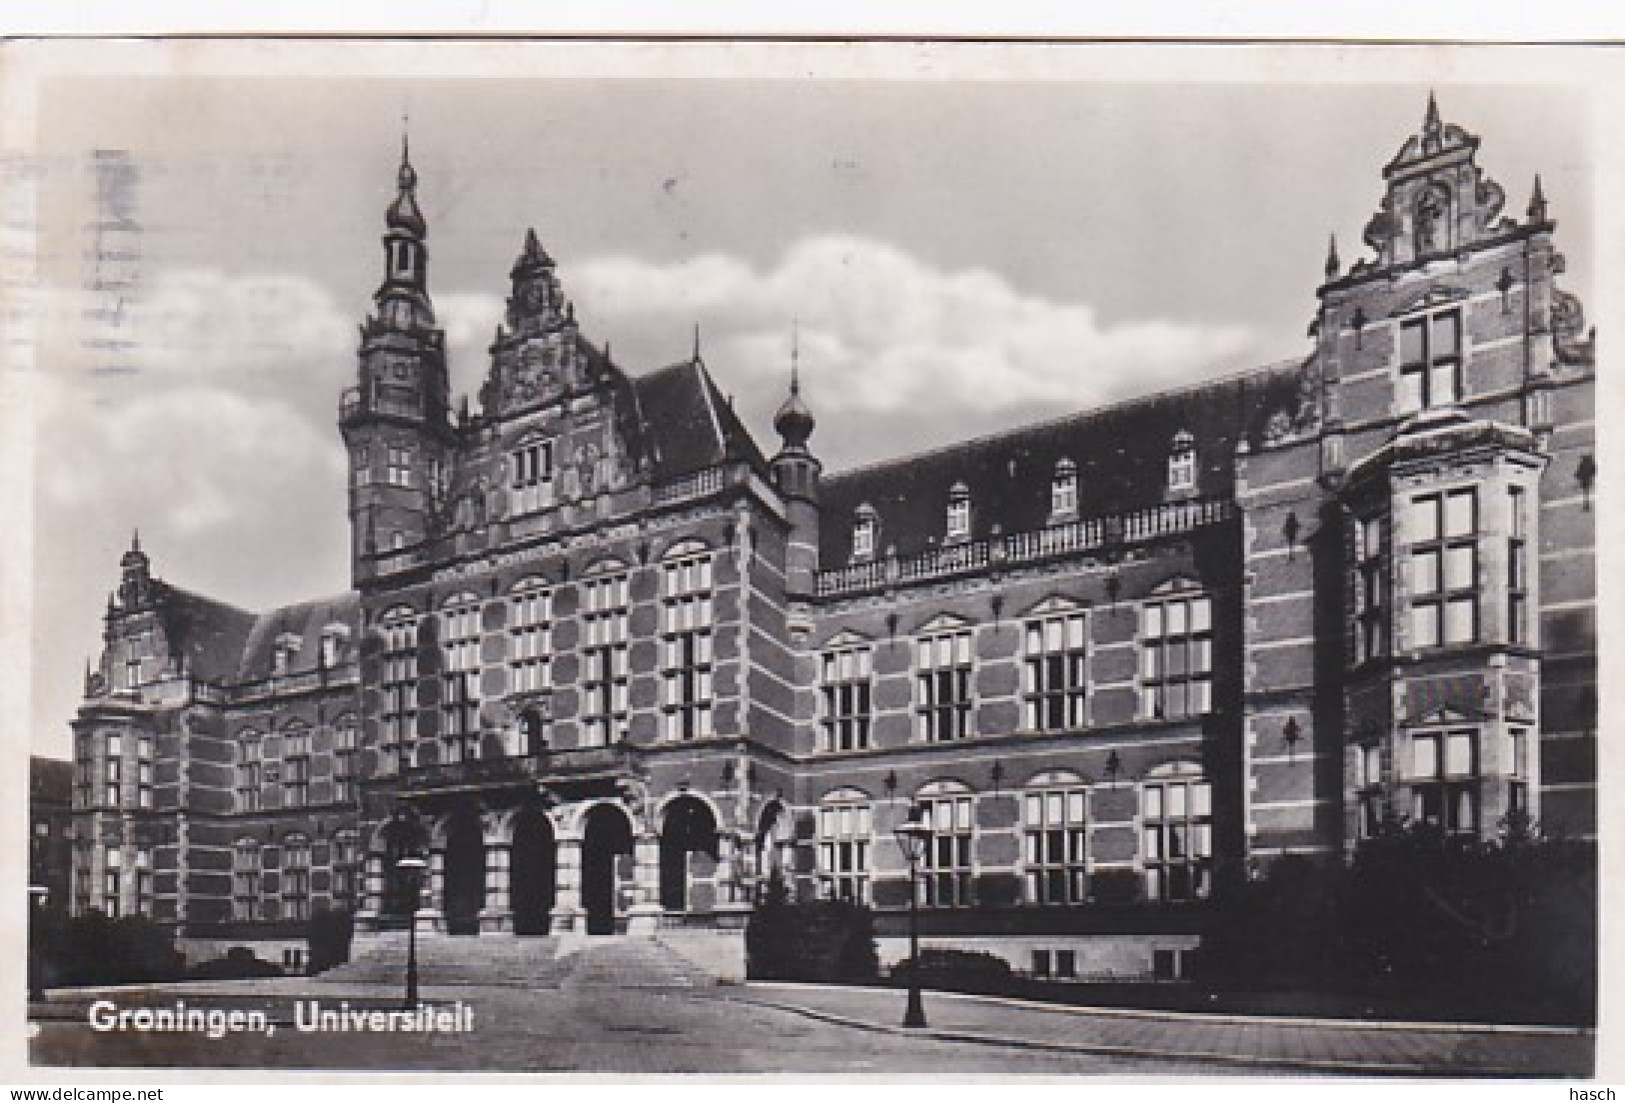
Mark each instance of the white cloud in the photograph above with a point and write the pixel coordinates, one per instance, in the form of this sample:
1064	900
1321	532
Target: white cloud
882	330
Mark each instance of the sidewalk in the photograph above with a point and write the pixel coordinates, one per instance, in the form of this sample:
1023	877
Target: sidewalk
1267	1044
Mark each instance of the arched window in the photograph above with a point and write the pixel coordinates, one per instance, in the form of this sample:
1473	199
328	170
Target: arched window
948	808
460	682
845	836
605	618
1182	462
296	877
245	879
958	512
400	682
865	529
248	771
686	617
345	748
530	631
1055	833
1176	824
1063	493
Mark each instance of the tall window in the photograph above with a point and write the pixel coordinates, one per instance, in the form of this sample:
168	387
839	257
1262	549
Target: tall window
1370	591
1517	566
863	532
1177	838
113	772
943	680
399	469
847	701
344	760
84	771
112	881
947	866
296	767
686	615
1176	656
605	625
143	771
248	772
460	693
400	682
1368	781
530	644
1444	568
245	879
1444	780
1063	491
1055	677
1430	361
84	860
844	837
1182	462
144	895
1054	842
346	857
296	878
532	477
1517	755
959	512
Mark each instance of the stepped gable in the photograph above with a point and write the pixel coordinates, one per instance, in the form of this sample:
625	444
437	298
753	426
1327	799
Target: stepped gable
1121	453
688	424
306	621
209	634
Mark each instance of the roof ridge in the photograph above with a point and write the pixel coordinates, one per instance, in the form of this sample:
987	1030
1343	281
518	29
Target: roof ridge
1061	419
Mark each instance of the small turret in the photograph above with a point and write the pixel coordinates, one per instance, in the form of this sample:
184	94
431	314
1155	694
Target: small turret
796	471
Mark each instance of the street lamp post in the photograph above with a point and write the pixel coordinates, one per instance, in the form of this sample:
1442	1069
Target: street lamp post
36	963
913	836
412	866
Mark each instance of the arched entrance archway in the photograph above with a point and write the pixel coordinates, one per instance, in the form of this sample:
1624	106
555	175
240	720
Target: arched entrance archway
402	890
606	841
534	871
464	877
688	845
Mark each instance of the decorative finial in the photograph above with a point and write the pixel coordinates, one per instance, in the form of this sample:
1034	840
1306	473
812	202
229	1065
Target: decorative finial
1537	202
135	539
1334	264
1431	125
696	342
795	355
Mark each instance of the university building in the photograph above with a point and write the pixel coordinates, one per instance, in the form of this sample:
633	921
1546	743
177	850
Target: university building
610	666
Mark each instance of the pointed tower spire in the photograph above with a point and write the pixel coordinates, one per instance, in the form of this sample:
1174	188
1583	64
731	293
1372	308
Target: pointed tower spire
1334	263
795	356
1537	202
135	533
696	357
403	214
1431	125
794	422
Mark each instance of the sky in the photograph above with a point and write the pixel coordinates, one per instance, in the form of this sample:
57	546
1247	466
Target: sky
955	257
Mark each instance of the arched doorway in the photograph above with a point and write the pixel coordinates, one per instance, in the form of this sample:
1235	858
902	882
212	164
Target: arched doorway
688	844
464	872
402	889
606	841
534	871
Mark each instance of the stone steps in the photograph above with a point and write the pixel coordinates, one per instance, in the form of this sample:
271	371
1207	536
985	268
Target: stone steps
509	961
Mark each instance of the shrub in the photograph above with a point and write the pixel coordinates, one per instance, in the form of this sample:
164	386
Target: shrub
957	971
822	940
94	949
329	935
239	963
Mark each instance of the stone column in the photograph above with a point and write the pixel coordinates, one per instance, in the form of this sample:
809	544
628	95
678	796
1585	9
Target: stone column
430	917
568	914
497	914
643	917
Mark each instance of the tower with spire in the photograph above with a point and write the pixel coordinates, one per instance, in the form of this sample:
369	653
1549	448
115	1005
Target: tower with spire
396	420
796	472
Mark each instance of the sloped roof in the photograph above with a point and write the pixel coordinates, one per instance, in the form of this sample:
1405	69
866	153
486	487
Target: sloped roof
209	633
1121	453
687	424
305	621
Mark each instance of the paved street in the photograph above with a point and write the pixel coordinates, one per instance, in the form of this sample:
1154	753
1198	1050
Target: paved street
766	1029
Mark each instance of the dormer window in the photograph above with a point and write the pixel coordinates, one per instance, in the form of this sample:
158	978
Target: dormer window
863	532
1182	462
334	637
959	512
1063	492
283	651
1430	361
532	484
